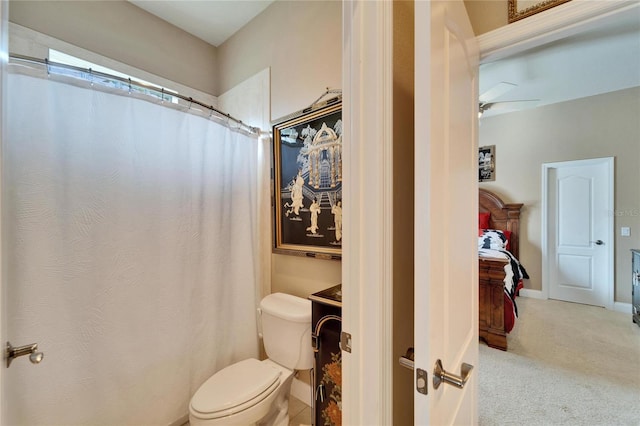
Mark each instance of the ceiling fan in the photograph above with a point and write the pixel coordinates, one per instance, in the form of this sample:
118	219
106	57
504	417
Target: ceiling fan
487	99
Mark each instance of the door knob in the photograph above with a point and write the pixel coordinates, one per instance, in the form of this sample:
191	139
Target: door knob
597	242
32	350
440	375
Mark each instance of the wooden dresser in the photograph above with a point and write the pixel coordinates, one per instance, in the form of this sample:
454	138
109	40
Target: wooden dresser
326	325
635	285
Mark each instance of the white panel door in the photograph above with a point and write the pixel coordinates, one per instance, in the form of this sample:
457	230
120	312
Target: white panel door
580	230
4	16
446	206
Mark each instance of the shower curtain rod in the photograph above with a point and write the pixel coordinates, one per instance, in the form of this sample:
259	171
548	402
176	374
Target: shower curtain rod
136	83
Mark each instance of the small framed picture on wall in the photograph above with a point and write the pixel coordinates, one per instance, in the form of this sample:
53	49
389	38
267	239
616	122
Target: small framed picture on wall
487	163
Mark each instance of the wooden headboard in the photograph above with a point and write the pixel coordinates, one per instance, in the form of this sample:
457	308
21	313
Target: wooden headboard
503	216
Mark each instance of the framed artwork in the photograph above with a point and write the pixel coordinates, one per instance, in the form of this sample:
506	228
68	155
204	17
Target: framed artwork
486	163
518	9
307	154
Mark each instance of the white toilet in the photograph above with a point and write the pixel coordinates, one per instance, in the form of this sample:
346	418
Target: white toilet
253	392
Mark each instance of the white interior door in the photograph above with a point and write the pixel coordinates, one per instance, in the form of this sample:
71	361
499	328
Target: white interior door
4	43
446	206
579	231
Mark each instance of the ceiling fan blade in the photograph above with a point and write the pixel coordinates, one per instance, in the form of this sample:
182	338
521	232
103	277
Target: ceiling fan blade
528	103
496	91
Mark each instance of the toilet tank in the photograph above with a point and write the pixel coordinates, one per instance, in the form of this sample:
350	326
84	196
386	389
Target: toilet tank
286	330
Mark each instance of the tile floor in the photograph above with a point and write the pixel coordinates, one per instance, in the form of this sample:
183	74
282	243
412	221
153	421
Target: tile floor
299	412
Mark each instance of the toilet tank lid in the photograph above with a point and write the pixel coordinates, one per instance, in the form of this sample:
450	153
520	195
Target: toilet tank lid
287	307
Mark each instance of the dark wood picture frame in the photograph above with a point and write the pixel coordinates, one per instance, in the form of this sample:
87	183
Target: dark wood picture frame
307	159
487	163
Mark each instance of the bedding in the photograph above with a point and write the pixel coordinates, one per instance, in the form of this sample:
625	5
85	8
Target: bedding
494	239
514	274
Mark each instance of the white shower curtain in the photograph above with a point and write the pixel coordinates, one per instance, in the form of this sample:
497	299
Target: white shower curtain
130	234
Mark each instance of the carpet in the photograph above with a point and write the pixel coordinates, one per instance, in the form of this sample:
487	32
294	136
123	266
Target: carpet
567	364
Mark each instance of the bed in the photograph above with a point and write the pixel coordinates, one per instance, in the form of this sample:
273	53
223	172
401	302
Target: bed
497	308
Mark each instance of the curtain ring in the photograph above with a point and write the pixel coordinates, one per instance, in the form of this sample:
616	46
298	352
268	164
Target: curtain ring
190	101
162	95
46	61
91	76
129	85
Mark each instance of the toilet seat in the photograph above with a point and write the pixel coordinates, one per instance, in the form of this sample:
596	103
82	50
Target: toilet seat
234	389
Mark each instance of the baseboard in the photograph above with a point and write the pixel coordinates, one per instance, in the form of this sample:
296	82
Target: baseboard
537	294
534	294
301	390
182	421
625	308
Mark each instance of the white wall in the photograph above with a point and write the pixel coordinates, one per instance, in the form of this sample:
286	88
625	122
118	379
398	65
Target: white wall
598	126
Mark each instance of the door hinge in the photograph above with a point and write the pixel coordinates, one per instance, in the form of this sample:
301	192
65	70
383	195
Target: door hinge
345	341
422	385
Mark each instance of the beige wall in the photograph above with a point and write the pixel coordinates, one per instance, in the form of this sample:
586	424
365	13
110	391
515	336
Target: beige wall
598	126
119	30
403	160
301	41
486	15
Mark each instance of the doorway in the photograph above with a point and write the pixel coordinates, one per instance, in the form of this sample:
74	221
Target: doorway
577	231
534	138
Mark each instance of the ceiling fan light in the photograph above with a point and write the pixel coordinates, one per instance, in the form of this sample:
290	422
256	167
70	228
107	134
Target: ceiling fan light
482	107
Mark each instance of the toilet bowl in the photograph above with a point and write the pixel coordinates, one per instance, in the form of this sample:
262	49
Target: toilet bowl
253	392
250	392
